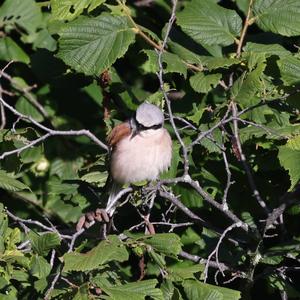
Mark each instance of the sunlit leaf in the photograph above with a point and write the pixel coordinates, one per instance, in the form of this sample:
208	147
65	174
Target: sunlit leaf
42	244
9	183
200	290
70	9
91	45
135	290
209	23
107	250
24	13
202	83
278	16
9	50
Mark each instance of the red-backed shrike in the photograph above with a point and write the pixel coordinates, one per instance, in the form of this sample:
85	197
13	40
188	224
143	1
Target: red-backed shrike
141	149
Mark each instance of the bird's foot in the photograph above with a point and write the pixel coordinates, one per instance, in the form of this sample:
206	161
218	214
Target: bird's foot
90	218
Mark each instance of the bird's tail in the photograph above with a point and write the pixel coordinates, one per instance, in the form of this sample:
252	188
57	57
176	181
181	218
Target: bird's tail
113	193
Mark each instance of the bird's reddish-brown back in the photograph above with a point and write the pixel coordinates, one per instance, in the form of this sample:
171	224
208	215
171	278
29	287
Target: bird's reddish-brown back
118	132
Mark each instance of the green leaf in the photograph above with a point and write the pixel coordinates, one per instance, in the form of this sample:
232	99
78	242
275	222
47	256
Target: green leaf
157	98
267	50
209	23
278	16
82	293
63	188
166	243
196	114
67	212
272	260
42	244
107	250
13	238
172	171
181	271
243	5
66	169
289	67
8	183
26	108
202	83
95	93
91	45
70	9
289	157
199	290
9	50
134	290
3	222
173	63
95	177
213	63
189	197
24	13
39	267
294	143
212	145
167	289
157	258
247	86
42	39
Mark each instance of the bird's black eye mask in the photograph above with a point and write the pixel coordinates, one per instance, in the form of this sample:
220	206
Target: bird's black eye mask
141	127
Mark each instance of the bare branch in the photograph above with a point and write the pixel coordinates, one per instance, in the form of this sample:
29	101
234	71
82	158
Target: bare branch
51	288
26	92
213	264
2	113
177	203
111	207
221	123
244	30
165	93
229	182
216	250
243	160
49	132
181	206
36	223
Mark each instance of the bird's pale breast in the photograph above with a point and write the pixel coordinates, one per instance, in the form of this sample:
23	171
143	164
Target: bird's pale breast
142	157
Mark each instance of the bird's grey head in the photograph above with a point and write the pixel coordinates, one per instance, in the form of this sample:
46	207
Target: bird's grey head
149	116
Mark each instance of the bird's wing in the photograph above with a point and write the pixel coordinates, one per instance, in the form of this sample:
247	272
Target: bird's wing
118	132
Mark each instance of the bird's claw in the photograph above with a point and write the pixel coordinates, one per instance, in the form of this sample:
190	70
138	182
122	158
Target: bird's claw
88	219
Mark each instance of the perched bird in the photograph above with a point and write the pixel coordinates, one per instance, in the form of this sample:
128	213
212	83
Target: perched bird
141	148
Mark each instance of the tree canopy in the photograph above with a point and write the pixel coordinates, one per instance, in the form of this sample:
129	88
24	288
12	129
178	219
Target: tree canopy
223	222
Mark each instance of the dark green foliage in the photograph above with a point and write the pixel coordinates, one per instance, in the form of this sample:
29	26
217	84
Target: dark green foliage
231	71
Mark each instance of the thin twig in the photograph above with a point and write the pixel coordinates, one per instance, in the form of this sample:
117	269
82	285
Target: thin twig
36	223
244	30
242	158
26	92
2	113
51	288
53	253
49	132
109	209
216	250
182	207
160	74
177	203
229	182
221	123
212	264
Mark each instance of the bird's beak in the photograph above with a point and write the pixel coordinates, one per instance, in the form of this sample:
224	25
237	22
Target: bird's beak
134	132
134	129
